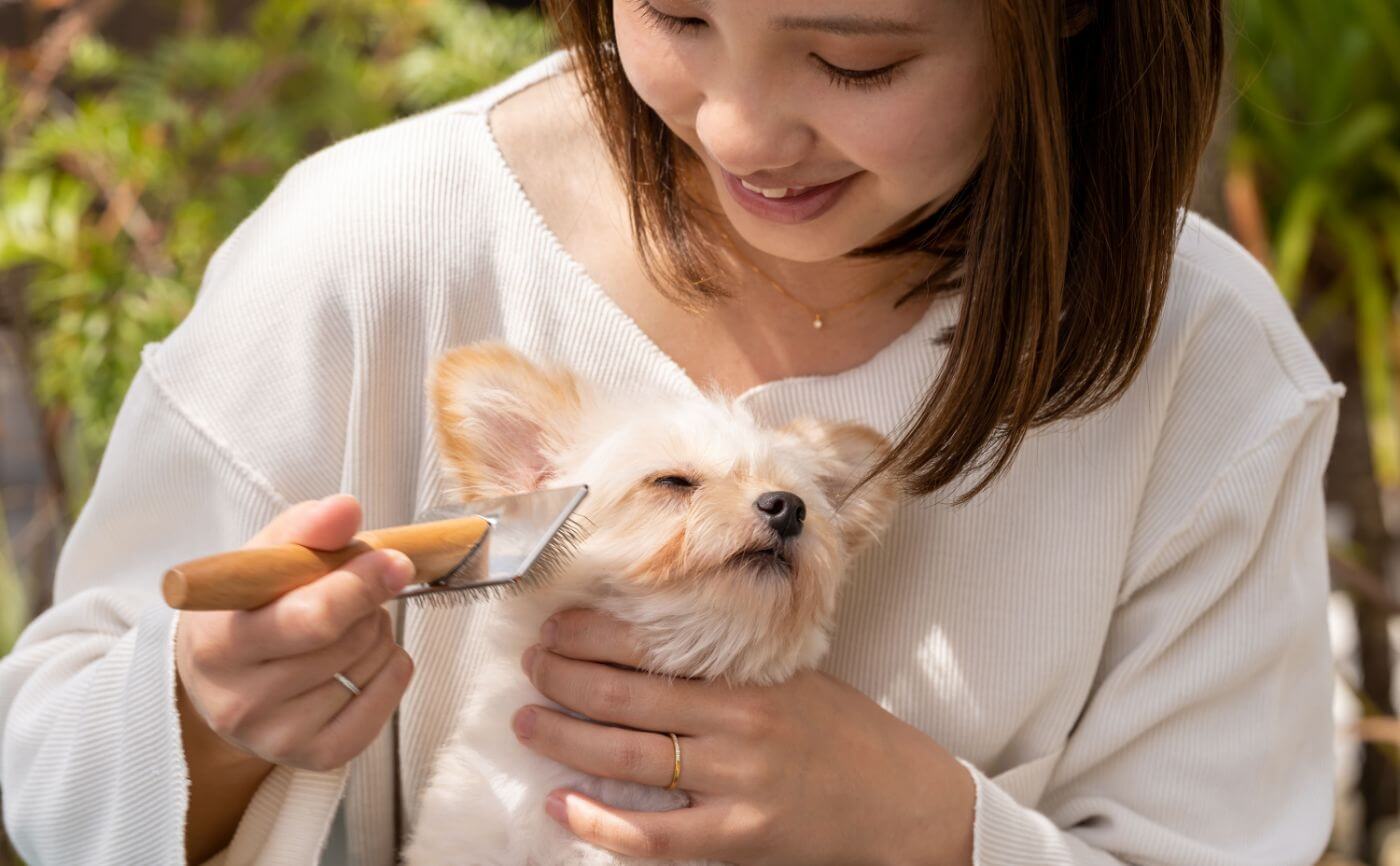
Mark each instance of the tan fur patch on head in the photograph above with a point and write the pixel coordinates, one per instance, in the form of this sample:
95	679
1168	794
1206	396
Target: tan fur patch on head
666	564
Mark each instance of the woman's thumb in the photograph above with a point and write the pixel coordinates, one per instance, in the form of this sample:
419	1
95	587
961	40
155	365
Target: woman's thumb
325	524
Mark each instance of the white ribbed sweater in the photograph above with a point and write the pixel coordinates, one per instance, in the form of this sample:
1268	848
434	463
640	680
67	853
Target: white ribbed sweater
1124	639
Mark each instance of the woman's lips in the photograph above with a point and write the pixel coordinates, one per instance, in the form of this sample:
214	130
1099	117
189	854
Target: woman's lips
807	205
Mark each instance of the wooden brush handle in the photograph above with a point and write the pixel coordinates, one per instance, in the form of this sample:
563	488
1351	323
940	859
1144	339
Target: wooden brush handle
252	577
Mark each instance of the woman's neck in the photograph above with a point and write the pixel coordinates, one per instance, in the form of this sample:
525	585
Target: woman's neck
857	289
753	336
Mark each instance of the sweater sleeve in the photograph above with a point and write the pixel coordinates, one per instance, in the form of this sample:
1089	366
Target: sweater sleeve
1207	739
238	413
92	765
297	373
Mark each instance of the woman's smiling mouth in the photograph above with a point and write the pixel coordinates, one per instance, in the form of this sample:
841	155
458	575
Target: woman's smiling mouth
786	204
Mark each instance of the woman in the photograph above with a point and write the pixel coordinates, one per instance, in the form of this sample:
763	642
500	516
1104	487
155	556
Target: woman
1100	635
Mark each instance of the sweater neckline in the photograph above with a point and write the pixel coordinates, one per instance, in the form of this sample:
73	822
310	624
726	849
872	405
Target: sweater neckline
899	354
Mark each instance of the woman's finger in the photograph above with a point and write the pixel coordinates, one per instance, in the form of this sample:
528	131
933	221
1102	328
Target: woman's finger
282	679
330	698
587	634
317	614
309	732
609	694
324	524
680	834
296	675
342	739
645	757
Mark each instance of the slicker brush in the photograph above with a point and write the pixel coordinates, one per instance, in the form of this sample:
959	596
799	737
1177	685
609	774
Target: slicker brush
484	549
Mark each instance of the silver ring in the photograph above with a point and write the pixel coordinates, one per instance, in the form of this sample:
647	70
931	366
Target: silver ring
345	681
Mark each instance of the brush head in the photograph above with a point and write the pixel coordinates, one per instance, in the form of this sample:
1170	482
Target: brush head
532	537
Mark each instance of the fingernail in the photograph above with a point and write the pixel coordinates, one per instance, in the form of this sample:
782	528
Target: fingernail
399	572
525	660
554	807
524	723
548	631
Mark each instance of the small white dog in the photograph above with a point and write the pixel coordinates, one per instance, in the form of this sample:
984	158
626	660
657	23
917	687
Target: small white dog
722	542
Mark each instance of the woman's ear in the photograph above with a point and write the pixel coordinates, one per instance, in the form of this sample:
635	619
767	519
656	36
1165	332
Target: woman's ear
501	420
844	453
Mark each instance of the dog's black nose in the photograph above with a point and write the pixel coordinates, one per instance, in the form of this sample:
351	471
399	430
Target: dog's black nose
784	511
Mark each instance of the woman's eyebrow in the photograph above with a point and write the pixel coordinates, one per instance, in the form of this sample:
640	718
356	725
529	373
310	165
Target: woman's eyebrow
841	25
847	25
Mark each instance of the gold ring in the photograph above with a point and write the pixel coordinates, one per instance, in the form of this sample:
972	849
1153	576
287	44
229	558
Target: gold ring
676	770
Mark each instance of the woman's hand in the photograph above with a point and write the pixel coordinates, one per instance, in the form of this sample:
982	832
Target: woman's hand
809	771
255	687
263	680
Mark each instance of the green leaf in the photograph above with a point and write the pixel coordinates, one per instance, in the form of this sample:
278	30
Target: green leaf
1364	130
1383	21
1296	233
92	58
1374	326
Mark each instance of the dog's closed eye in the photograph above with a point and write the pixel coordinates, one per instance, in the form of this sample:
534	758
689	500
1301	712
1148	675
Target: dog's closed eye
678	482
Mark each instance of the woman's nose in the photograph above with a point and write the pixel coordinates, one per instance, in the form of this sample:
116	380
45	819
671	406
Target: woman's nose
745	132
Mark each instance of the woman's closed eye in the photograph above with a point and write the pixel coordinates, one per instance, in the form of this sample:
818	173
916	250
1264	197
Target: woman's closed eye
870	78
671	23
838	75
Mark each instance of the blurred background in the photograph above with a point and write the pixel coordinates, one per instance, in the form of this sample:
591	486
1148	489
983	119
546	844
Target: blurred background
139	133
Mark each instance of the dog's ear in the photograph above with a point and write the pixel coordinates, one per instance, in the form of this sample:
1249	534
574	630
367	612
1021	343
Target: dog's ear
844	453
500	419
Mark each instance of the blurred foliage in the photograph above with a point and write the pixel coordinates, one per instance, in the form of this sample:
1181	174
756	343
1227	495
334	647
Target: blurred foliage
1319	141
14	607
114	197
1313	190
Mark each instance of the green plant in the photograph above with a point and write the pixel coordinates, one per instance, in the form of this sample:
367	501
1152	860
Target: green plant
113	198
1319	139
14	606
1314	191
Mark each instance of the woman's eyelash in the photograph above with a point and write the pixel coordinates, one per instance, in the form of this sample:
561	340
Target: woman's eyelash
869	79
667	22
865	78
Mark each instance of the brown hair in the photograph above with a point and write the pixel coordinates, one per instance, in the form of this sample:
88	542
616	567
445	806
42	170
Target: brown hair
1061	239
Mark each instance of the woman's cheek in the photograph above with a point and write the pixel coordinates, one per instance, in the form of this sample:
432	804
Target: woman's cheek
656	70
918	149
953	131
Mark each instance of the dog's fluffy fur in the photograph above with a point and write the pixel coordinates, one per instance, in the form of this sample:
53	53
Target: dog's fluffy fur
678	562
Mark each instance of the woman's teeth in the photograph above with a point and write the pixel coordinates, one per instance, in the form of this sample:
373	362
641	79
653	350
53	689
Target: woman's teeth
780	192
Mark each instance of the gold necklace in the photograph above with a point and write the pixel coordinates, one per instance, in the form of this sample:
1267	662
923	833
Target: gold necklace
818	315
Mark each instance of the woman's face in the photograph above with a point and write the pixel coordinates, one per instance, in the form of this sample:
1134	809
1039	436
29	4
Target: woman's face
882	105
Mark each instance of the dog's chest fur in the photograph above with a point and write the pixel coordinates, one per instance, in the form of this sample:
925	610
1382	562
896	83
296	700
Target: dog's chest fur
484	802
